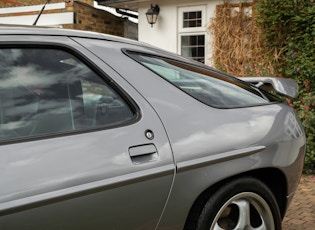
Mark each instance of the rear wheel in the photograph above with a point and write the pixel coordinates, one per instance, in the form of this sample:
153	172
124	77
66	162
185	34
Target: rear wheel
245	203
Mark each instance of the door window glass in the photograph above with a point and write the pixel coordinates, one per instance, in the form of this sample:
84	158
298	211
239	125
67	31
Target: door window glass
46	91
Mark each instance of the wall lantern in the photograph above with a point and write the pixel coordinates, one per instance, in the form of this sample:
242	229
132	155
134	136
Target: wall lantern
152	14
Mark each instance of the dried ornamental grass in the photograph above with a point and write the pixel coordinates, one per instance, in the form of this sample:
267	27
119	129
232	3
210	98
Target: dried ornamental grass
238	42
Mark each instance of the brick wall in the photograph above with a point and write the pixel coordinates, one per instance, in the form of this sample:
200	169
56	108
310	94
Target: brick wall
92	19
131	30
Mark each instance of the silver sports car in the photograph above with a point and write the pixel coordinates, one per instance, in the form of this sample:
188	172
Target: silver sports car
99	132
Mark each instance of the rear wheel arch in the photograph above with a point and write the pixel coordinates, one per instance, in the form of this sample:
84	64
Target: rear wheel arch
274	179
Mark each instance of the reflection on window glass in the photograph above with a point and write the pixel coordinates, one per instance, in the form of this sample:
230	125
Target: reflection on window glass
193	46
45	91
211	88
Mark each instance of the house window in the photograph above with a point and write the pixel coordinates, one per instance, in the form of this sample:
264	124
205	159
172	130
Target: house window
191	32
193	46
192	19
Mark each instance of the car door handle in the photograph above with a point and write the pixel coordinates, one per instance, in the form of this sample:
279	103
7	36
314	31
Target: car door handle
143	153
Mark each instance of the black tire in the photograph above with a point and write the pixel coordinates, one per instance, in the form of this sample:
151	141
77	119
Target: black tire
245	203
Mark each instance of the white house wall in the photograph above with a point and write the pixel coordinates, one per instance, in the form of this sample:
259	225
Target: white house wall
165	33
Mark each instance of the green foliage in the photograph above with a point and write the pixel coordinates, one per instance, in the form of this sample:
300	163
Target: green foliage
289	30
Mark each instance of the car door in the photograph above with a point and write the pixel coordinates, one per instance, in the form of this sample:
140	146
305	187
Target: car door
79	147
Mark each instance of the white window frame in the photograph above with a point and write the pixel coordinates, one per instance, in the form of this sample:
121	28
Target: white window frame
192	34
182	10
191	31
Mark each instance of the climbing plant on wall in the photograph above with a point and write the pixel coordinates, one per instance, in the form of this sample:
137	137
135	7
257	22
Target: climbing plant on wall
238	44
289	31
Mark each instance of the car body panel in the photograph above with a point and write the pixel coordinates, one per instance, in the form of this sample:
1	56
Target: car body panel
78	176
211	132
106	178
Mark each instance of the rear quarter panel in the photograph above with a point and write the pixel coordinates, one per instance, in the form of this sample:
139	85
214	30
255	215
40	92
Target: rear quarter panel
199	133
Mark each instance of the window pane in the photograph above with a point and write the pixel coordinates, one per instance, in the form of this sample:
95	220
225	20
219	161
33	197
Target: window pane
211	88
193	40
186	52
192	15
201	40
186	15
194	52
192	24
193	47
185	40
45	91
192	19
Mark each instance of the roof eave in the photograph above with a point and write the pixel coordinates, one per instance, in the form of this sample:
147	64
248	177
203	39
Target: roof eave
122	4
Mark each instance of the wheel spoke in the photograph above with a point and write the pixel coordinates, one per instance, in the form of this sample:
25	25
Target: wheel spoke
248	210
217	227
261	227
244	217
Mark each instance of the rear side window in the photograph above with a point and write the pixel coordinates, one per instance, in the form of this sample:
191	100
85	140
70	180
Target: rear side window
50	91
210	87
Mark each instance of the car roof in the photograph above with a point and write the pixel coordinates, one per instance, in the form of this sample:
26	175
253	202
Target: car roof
53	31
15	30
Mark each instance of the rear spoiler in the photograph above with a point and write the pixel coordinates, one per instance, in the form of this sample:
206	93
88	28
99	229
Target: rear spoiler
284	86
